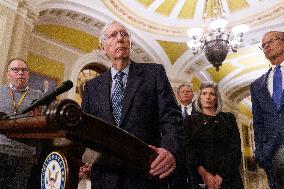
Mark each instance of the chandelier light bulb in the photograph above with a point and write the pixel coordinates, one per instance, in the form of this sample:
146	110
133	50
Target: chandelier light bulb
195	32
218	24
235	42
217	40
193	44
240	29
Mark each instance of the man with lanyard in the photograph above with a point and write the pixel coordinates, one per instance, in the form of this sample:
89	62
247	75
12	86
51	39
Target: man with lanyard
16	158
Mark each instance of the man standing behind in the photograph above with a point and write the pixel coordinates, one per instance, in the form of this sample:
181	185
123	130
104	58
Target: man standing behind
17	95
268	108
137	98
16	158
180	178
185	96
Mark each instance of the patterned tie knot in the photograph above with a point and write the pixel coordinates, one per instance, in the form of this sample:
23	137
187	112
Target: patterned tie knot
119	76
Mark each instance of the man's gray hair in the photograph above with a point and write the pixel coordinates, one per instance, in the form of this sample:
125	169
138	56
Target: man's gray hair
183	85
103	34
281	32
11	60
219	103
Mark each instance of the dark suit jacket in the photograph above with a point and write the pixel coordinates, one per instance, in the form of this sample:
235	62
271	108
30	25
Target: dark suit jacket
268	123
149	112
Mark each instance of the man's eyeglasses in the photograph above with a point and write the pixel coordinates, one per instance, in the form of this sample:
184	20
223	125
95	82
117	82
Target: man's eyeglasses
270	42
113	35
17	70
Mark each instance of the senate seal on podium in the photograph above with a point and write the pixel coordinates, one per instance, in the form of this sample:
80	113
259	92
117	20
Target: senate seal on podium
53	173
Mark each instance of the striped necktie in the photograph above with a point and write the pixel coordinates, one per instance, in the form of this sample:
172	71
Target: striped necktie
277	87
184	114
117	97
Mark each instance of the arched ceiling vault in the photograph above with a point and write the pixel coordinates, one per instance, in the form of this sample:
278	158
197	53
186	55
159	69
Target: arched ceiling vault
159	33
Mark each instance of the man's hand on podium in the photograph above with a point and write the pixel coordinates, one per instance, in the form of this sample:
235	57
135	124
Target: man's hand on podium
85	171
164	164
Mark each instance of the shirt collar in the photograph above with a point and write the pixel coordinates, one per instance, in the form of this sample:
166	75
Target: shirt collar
274	66
14	88
188	106
114	71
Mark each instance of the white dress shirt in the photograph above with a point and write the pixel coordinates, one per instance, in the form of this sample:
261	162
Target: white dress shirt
270	78
189	109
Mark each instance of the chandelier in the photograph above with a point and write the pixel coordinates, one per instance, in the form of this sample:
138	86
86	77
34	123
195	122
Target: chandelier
217	39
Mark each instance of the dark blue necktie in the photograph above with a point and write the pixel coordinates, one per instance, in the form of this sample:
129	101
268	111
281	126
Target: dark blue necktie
277	87
184	114
117	97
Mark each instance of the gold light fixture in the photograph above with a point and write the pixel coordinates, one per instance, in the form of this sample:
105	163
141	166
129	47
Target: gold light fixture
217	39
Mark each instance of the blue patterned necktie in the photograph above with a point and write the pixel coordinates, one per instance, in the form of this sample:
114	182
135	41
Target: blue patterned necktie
277	87
117	97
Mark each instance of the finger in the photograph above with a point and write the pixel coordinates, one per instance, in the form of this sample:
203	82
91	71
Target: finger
168	172
217	180
159	168
153	147
163	167
159	159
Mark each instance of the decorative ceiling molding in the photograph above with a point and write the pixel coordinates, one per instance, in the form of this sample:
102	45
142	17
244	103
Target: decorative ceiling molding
86	24
72	19
129	15
270	14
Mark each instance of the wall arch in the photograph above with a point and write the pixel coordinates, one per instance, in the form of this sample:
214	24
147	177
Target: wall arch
95	57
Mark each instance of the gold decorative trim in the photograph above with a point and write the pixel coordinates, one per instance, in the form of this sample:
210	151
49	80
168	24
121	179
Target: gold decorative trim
123	12
129	16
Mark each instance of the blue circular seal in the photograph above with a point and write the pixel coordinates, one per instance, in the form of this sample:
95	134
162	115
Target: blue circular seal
53	173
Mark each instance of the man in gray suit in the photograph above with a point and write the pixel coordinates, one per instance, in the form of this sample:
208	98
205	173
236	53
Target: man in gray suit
268	108
138	98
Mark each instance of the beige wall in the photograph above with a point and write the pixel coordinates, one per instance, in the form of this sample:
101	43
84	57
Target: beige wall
7	19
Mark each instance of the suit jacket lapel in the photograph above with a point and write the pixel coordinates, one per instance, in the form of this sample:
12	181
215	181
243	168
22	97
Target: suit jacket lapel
134	80
264	93
104	95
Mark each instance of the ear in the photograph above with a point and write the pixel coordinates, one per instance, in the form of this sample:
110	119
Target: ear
7	75
103	49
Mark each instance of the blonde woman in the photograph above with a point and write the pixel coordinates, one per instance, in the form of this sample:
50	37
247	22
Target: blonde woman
213	146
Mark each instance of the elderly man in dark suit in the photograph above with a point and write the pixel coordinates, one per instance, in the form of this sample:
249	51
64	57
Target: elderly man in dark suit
137	98
268	108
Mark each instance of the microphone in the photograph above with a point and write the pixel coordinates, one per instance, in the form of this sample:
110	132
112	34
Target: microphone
46	99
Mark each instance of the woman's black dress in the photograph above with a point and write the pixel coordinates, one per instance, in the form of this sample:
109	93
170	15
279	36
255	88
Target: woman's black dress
214	143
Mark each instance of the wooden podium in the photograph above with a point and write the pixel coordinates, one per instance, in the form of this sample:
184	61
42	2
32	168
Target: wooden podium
67	131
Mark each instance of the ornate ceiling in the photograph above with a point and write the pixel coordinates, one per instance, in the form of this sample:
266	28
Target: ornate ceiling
159	29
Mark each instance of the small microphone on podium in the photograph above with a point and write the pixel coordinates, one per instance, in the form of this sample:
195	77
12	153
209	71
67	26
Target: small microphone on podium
46	99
